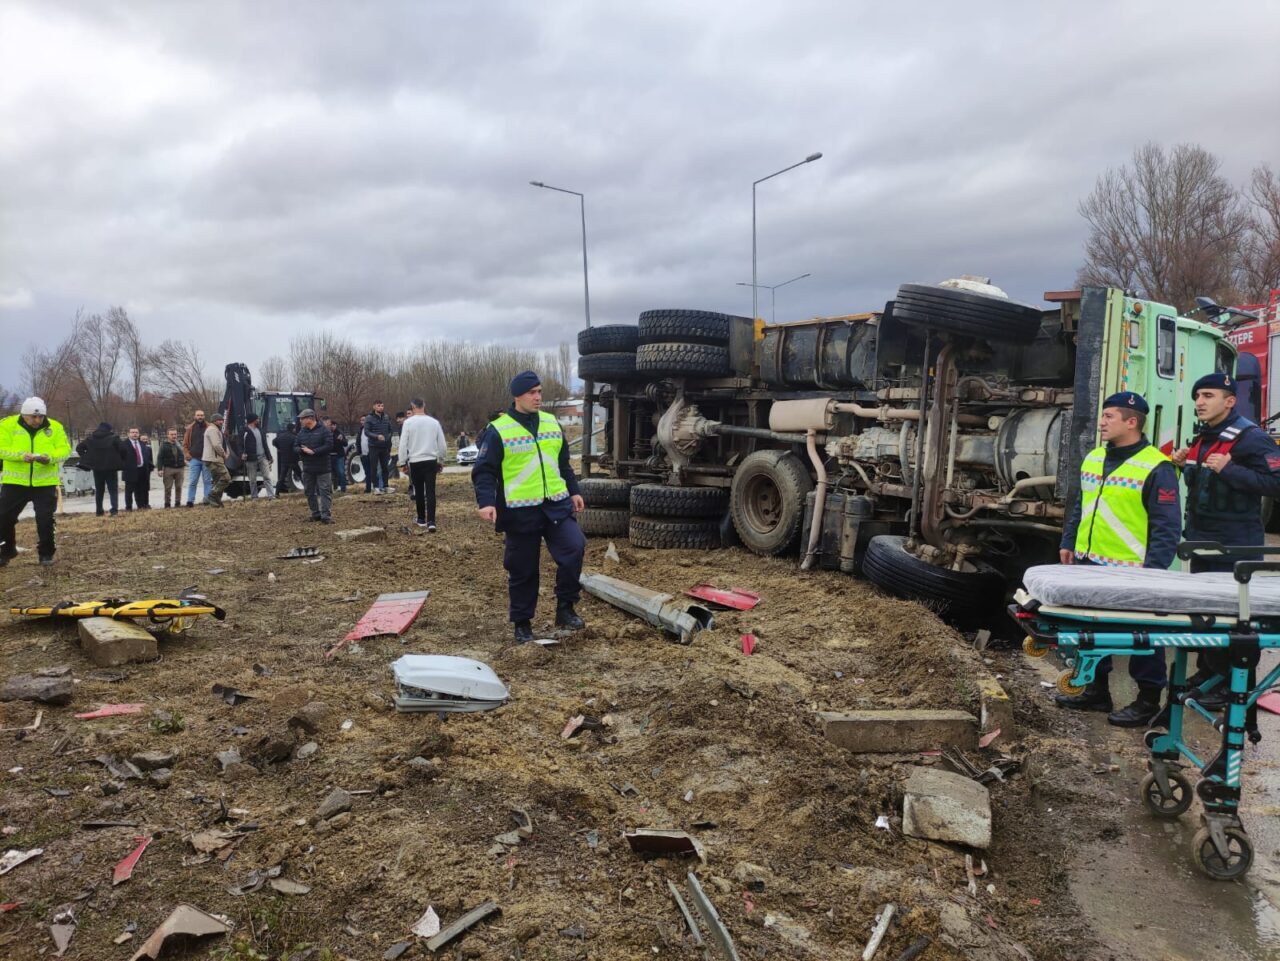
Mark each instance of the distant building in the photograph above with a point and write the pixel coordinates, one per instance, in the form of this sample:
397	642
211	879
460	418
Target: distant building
569	412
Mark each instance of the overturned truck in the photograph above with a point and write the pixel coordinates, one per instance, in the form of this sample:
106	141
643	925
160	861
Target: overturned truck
932	446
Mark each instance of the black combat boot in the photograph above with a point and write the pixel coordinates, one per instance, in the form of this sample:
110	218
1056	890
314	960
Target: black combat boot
567	617
524	632
1141	712
1095	697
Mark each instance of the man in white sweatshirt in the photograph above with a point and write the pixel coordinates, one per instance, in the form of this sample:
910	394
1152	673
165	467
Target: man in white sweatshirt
421	456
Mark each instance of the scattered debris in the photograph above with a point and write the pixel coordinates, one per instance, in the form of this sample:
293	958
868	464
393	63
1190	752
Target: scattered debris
285	886
390	614
915	948
898	731
656	842
1270	702
707	911
184	921
57	792
524	823
742	690
102	825
427	926
611	553
468	920
118	768
661	610
981	639
230	695
34	725
112	710
309	717
62	930
211	842
883	920
396	950
296	552
153	760
31	687
684	913
942	806
437	682
124	870
255	880
748	644
577	931
227	758
336	803
261	670
734	597
362	534
987	738
882	822
13	857
306	750
110	643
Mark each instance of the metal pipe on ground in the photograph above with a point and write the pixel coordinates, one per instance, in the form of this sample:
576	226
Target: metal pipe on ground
682	618
819	500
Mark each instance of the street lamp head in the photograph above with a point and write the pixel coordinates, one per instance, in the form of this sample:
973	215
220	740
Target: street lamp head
812	157
536	183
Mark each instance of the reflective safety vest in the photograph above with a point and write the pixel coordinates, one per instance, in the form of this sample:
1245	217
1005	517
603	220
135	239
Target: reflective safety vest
16	440
1113	519
531	465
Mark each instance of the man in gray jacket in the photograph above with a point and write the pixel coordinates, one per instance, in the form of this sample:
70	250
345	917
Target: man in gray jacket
215	459
421	457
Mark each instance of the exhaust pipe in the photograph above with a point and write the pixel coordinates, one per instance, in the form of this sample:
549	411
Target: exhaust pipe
819	500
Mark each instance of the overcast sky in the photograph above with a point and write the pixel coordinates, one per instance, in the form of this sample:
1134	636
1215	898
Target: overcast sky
243	172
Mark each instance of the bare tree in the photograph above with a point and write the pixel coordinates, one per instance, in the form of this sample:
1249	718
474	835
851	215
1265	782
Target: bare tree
96	362
1260	256
176	368
273	374
133	350
1168	227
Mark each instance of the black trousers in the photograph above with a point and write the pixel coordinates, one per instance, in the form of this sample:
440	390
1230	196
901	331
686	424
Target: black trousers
381	456
13	498
565	542
422	478
106	481
135	488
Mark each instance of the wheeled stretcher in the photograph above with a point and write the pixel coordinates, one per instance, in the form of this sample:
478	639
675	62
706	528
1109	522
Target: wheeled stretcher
1088	613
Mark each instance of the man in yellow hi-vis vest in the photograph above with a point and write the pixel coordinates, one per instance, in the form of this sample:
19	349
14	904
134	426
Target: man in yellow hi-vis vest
1128	514
526	488
32	448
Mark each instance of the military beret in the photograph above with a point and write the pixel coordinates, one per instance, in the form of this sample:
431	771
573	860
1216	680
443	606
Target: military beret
1127	400
1215	381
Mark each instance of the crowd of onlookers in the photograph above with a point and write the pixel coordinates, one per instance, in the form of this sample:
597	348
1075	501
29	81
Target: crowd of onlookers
311	453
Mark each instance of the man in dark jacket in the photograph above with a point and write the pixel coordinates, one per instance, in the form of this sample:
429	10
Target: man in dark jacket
339	456
172	465
1230	466
314	445
526	488
101	453
286	459
137	471
256	458
193	447
377	429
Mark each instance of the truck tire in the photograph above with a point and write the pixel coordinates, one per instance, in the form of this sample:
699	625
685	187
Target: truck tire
687	535
611	338
960	596
966	312
685	327
607	368
605	491
657	500
767	501
604	521
680	359
355	468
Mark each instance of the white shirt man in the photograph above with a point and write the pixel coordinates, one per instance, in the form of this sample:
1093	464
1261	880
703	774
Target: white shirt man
421	456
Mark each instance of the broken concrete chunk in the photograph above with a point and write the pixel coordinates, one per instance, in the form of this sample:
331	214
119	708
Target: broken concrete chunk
337	802
226	758
362	534
899	731
31	687
943	806
310	717
161	777
153	760
306	750
110	643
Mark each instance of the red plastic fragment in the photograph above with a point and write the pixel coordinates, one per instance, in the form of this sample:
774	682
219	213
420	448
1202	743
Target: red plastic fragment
10	906
1270	702
734	597
112	710
988	737
124	870
389	614
748	643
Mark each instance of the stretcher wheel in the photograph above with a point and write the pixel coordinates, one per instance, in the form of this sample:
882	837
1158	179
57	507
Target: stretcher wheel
1032	649
1167	807
1066	687
1239	858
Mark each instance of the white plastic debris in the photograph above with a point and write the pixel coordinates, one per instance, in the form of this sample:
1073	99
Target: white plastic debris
13	857
438	682
882	822
427	926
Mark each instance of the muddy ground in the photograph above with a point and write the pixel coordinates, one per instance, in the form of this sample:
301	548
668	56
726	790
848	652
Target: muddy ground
794	862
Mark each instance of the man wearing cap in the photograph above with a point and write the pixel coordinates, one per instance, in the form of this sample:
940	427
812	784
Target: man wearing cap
257	458
32	447
215	460
1126	515
526	489
1229	467
314	445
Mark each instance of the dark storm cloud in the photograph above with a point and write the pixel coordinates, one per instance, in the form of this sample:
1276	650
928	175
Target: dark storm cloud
254	170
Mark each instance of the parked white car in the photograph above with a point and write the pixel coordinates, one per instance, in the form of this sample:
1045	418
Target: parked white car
469	455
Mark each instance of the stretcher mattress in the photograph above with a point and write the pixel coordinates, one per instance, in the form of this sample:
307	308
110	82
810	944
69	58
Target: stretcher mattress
1140	589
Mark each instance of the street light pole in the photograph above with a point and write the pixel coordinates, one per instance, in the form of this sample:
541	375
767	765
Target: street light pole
582	203
754	285
773	294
